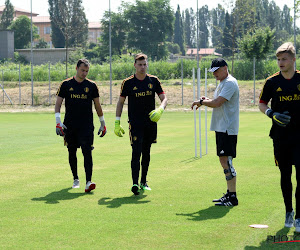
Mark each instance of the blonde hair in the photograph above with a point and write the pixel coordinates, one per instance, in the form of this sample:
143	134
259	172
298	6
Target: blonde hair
286	48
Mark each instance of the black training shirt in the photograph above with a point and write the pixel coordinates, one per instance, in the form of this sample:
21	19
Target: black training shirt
78	101
141	97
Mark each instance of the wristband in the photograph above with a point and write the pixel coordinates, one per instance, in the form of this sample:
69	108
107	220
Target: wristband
57	115
269	112
201	102
101	118
118	118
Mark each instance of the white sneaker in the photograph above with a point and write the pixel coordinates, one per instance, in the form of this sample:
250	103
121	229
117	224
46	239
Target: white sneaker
90	186
75	183
289	219
297	225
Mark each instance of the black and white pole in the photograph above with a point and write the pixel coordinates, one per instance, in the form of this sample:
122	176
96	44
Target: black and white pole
205	112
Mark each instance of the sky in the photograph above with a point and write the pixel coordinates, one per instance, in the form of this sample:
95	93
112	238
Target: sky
94	9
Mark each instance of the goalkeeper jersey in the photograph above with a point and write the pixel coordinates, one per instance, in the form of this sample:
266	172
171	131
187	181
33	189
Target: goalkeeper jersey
285	96
78	102
141	97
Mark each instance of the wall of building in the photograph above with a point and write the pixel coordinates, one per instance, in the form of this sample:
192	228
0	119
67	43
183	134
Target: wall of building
6	44
42	56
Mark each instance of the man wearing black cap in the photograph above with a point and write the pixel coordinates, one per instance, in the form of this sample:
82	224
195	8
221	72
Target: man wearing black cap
225	123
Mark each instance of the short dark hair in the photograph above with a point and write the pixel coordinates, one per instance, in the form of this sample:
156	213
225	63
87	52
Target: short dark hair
140	56
84	61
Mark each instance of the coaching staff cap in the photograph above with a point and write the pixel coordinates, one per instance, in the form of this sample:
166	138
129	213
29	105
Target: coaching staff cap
217	63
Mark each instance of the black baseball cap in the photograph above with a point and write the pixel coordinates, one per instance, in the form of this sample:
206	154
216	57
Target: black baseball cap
217	63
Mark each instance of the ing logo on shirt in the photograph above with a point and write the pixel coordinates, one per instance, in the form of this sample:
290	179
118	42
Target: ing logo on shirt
150	86
86	89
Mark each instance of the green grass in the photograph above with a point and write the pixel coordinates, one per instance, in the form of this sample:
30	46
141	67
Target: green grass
39	210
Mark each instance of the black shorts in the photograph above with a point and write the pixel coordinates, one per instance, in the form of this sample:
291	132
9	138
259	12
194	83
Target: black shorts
76	138
226	144
286	152
146	133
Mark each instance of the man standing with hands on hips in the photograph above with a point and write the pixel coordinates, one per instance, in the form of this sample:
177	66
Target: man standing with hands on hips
78	127
225	123
283	90
140	89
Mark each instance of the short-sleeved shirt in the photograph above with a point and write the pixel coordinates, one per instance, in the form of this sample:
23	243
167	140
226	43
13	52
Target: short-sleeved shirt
78	101
141	97
226	117
285	96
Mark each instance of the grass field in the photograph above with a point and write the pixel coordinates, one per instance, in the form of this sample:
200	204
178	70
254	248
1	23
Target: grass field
39	210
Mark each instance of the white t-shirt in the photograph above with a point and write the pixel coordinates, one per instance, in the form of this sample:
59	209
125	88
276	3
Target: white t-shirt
226	117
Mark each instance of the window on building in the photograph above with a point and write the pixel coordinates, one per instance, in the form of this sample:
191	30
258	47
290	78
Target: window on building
47	30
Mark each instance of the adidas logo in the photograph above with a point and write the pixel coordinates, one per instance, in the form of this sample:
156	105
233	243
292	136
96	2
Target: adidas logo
71	89
135	88
278	90
222	152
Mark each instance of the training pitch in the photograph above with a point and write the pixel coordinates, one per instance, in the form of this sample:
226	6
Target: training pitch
39	210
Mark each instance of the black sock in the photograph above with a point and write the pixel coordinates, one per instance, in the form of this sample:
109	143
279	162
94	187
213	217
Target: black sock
232	194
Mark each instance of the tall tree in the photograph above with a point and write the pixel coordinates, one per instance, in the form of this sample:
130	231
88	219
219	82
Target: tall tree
7	15
204	20
150	23
218	25
22	32
118	33
69	17
178	31
189	28
227	38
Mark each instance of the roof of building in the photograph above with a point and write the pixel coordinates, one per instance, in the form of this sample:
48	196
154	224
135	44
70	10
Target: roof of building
94	25
2	7
202	51
41	19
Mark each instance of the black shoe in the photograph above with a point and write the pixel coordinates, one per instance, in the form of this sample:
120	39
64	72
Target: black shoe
223	198
229	202
135	189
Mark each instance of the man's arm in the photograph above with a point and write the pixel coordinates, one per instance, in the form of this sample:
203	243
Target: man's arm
98	106
263	107
164	100
58	104
215	103
120	105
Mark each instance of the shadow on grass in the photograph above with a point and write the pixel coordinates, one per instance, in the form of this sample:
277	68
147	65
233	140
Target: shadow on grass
55	197
190	160
281	240
118	202
211	213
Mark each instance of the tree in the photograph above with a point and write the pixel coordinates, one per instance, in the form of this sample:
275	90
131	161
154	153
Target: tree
58	39
218	25
118	33
189	28
227	40
257	44
204	19
69	17
150	23
22	31
7	15
41	44
178	31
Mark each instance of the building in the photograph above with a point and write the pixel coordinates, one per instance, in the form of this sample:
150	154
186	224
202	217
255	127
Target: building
202	52
43	24
6	44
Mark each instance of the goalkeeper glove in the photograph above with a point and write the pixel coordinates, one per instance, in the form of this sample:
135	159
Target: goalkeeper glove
155	114
119	129
280	119
60	127
102	129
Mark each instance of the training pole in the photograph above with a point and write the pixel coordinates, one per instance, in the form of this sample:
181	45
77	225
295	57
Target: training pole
198	97
205	112
195	115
